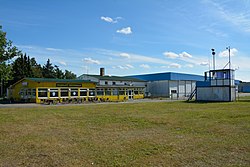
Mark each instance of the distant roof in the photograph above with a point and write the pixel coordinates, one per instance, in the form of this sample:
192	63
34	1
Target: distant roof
169	76
114	78
57	80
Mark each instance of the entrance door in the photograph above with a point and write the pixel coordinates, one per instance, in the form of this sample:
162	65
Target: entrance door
130	94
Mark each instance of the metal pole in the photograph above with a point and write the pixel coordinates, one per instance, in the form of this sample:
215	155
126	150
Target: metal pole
229	64
229	57
213	53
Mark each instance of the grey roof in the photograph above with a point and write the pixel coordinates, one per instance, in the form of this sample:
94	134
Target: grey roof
114	78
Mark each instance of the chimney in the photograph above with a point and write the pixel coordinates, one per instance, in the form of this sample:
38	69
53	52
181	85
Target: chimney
102	71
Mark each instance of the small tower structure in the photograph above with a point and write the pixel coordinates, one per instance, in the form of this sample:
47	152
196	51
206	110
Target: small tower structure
218	85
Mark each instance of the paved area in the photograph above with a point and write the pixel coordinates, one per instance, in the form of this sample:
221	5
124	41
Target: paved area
33	105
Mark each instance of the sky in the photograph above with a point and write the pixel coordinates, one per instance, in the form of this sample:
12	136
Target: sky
132	37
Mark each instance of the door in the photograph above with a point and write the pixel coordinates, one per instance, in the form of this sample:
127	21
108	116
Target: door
130	94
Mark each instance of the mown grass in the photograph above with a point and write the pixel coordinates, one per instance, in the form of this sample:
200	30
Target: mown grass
142	134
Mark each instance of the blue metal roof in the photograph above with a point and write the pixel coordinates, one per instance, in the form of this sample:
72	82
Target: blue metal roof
169	76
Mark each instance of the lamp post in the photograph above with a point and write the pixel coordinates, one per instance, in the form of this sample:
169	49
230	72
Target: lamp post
229	57
213	53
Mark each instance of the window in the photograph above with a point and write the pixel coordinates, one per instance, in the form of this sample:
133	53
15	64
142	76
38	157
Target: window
53	93
64	92
28	92
91	92
42	92
83	92
74	92
107	92
100	92
115	92
173	91
141	91
113	83
106	82
122	92
33	92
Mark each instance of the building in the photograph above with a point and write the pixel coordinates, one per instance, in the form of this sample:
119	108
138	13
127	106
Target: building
42	89
132	87
170	84
48	90
244	87
219	85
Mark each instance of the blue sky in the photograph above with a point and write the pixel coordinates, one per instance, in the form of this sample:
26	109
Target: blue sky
133	36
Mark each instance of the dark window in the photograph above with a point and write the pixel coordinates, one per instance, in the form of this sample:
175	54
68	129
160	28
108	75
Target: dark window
74	92
91	92
100	92
42	92
107	92
113	83
64	92
173	91
83	92
53	93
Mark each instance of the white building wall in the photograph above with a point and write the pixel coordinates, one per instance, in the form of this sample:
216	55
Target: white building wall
215	94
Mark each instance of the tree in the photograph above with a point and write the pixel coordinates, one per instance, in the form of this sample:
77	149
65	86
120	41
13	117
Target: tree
59	73
21	67
48	70
36	68
69	75
7	52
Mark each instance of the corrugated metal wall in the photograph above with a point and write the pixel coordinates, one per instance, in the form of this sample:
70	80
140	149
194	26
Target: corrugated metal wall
171	89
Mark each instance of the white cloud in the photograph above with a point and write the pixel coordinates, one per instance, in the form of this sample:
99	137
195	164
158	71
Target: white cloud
225	53
204	63
125	67
174	65
240	19
145	66
25	47
91	61
189	65
125	55
185	55
108	19
125	31
171	55
133	57
63	63
122	67
129	66
53	49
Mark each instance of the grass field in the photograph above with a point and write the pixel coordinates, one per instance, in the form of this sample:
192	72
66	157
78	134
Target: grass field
136	134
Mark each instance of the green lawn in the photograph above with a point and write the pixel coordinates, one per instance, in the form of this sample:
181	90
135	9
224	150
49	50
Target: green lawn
134	134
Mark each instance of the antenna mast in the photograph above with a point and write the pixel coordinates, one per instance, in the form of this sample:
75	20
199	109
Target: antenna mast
213	53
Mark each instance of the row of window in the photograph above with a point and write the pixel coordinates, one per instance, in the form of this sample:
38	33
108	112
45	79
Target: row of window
27	93
64	92
74	92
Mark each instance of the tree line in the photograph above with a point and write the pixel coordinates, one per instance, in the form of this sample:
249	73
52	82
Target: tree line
15	65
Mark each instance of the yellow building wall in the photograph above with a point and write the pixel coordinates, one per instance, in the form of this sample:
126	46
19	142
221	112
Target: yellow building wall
29	84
